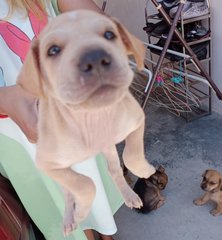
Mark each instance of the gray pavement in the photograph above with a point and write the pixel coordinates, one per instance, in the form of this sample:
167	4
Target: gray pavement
186	150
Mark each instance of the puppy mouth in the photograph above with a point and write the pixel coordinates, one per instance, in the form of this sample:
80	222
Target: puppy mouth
101	90
104	90
105	95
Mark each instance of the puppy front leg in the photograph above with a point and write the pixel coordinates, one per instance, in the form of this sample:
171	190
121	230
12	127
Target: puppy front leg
133	154
79	193
202	200
217	211
132	200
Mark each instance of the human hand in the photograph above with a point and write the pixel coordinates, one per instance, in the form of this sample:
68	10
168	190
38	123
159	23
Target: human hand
22	108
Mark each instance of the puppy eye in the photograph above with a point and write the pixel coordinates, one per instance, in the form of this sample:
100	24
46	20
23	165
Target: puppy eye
109	35
212	183
54	50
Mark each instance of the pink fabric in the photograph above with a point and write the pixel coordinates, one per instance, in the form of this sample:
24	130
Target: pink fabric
16	39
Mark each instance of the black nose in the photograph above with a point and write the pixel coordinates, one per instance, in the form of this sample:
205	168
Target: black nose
95	60
203	186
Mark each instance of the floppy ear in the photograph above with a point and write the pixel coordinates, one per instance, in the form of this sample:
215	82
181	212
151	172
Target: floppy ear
204	173
133	45
220	184
161	169
30	77
218	188
153	179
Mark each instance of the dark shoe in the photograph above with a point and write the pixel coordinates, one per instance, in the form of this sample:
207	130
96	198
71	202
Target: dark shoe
202	54
198	9
157	29
174	10
197	33
195	0
199	49
161	28
191	10
149	27
169	5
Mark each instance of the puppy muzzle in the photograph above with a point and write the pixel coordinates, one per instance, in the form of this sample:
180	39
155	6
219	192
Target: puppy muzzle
95	62
203	186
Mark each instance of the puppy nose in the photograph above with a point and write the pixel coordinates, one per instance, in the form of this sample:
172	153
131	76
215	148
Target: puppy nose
95	60
203	186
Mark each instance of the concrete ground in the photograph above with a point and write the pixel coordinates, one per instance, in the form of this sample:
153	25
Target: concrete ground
186	150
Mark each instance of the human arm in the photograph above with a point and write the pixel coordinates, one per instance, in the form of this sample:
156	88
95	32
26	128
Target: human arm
21	107
68	5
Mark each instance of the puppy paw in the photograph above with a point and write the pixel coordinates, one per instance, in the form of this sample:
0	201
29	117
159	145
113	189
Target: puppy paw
69	224
162	198
132	200
160	203
68	229
198	202
72	220
215	212
81	212
146	171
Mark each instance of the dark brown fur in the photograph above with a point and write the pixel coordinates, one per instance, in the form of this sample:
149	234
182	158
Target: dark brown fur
149	190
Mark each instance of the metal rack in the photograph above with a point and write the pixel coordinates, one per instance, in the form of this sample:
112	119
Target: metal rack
191	64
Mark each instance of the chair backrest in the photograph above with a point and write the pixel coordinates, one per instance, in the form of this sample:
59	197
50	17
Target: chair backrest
14	220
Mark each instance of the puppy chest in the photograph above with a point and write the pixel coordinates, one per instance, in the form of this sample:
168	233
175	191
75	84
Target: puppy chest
98	133
103	129
85	132
217	197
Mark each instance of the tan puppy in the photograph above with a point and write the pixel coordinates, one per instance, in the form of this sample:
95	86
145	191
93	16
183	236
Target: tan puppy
79	69
212	184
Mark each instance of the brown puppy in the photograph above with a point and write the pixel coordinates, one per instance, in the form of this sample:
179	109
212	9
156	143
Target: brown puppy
78	67
149	190
212	184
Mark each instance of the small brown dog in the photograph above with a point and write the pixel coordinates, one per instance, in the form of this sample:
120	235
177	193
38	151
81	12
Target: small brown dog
212	184
149	190
79	69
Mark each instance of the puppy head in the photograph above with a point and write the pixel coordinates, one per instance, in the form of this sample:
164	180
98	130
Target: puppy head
159	178
81	59
212	181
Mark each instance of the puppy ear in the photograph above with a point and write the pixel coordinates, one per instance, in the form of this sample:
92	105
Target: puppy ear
204	173
133	45
220	184
218	188
153	179
30	77
161	169
148	183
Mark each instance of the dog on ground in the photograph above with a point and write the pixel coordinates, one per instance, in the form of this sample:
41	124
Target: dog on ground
212	185
79	70
149	190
